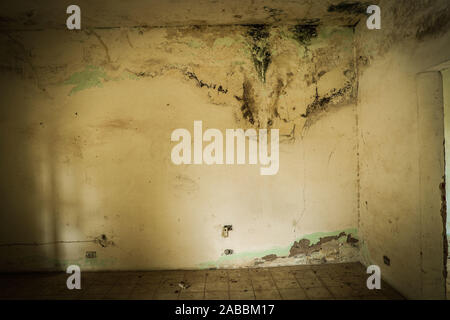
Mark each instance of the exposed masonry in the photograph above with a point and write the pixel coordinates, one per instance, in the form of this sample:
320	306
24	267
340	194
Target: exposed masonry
304	246
326	249
333	247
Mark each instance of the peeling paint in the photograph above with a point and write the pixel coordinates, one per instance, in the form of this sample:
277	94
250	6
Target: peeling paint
91	76
284	256
223	42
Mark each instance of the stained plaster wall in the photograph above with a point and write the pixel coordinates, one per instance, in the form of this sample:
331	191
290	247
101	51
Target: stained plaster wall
446	96
401	145
85	138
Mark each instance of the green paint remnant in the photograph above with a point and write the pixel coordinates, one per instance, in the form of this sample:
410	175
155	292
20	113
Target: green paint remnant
314	238
223	42
194	44
91	76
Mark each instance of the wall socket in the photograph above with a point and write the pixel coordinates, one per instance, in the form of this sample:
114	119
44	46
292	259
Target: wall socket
91	254
226	228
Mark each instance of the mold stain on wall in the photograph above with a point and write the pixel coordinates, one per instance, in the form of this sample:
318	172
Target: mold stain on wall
260	49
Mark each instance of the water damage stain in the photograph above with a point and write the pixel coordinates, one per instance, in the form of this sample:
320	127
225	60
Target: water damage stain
258	39
434	25
321	103
304	33
202	84
248	107
349	7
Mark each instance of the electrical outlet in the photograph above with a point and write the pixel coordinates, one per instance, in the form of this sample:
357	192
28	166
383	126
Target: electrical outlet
226	228
91	254
228	251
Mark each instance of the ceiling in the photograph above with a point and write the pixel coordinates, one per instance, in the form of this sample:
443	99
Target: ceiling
45	14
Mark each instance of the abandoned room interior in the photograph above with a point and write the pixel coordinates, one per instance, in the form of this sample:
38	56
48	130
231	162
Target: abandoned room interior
231	150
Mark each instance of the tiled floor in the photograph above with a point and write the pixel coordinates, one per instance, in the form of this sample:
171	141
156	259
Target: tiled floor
331	281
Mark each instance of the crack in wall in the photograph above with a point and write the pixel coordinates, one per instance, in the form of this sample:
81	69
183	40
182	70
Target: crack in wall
101	240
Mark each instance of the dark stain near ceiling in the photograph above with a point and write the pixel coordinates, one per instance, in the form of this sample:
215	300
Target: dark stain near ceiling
304	33
434	25
349	7
258	38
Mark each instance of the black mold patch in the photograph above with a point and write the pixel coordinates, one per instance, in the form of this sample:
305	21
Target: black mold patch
321	103
258	37
434	25
314	21
303	33
349	7
248	103
202	84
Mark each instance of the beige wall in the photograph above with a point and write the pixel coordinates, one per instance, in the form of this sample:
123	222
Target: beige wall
401	143
86	128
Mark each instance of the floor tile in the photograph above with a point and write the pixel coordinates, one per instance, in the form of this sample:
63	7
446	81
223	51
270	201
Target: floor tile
309	282
242	285
194	287
216	286
267	294
287	284
216	295
242	295
293	294
318	293
324	281
342	291
263	284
